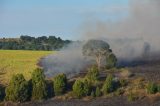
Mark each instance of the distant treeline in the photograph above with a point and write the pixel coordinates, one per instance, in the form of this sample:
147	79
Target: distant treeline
26	42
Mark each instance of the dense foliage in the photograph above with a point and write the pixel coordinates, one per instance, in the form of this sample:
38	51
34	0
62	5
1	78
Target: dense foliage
151	88
111	61
108	85
81	88
98	92
18	90
39	85
97	49
92	74
60	84
32	43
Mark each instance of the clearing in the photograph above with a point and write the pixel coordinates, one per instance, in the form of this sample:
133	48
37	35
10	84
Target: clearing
19	61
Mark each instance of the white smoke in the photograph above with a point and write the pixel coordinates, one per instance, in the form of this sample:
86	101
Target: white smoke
127	38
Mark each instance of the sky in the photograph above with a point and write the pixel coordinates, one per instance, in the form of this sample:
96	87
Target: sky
61	18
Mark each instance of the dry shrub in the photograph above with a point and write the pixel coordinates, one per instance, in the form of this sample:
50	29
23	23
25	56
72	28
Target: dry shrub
125	73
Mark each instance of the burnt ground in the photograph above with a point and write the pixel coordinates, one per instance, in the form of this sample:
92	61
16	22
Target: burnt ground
149	70
115	101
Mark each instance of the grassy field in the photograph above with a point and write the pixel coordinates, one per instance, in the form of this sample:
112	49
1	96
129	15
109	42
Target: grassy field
18	61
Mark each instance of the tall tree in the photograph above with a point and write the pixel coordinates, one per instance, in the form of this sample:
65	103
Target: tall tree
96	49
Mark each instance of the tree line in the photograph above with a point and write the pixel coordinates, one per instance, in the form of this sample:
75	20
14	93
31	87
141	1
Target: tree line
26	42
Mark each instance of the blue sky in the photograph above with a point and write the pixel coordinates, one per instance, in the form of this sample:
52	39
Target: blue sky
55	17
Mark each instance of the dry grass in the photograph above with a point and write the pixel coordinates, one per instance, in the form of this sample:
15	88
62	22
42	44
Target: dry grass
18	61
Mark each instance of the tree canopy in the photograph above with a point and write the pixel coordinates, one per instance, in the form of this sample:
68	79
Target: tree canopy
97	49
26	42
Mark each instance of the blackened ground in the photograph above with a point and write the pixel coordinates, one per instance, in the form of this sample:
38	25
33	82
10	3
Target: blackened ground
115	101
149	69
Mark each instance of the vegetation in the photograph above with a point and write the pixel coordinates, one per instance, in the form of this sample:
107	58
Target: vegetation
60	84
39	86
18	62
86	87
108	85
31	43
151	88
18	90
97	49
111	61
92	74
78	88
98	92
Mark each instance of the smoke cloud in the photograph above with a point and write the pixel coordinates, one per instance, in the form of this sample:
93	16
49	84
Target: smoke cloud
131	38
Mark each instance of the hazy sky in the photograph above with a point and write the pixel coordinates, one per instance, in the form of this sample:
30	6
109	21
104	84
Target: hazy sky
55	17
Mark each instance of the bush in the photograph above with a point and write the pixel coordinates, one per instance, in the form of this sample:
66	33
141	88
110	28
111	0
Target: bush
108	85
92	74
86	87
151	88
98	92
78	88
81	88
60	84
111	61
17	91
39	90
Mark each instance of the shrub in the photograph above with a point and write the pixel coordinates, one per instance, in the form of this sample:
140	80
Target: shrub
108	85
151	88
92	74
39	90
111	61
98	92
60	84
78	88
125	73
17	90
86	87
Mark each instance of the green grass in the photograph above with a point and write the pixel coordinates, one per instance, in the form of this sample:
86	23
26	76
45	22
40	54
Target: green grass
18	61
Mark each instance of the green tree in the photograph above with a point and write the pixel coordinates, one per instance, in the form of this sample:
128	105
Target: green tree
111	61
98	92
81	88
108	85
17	89
78	88
86	87
60	84
96	49
92	74
39	90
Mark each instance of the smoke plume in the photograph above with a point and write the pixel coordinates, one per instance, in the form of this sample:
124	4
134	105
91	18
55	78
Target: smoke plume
134	37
